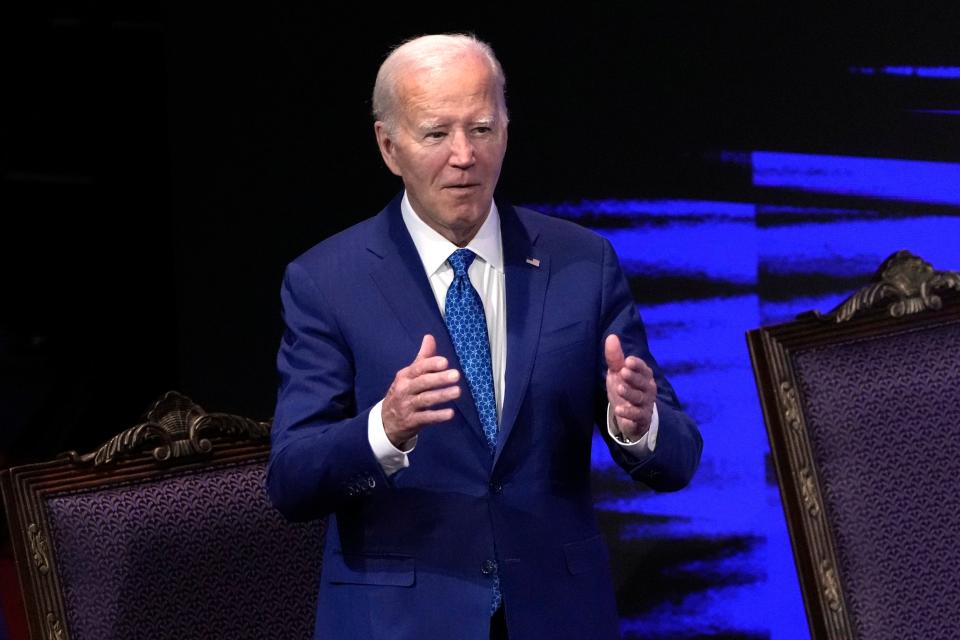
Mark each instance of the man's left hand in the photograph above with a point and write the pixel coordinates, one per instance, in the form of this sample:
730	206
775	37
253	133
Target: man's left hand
631	390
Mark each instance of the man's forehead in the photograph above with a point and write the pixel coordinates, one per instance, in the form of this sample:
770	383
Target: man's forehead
435	77
426	108
454	62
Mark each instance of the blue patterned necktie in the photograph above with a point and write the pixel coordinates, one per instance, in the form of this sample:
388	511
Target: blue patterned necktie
468	331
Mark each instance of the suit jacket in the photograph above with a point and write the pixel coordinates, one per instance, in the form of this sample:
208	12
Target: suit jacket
413	555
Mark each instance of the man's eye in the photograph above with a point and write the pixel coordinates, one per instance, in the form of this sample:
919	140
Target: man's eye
482	130
436	135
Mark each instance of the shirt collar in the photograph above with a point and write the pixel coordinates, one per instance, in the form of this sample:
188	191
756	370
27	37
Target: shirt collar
434	249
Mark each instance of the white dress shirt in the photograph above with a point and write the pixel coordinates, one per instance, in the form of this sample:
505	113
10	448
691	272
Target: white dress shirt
487	276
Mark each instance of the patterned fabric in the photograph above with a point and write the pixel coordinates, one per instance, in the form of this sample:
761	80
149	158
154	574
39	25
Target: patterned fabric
468	331
199	555
884	420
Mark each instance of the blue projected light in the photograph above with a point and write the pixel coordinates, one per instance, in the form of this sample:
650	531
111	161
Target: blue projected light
937	112
907	180
642	208
727	529
654	236
946	73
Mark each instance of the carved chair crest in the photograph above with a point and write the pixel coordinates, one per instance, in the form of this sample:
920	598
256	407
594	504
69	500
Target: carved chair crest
904	283
175	427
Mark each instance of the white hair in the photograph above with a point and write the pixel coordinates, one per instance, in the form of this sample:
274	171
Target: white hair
429	52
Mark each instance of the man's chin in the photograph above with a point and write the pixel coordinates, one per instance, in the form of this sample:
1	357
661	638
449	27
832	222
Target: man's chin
466	225
471	219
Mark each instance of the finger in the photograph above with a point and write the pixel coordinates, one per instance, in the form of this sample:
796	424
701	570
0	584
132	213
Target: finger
614	383
636	397
428	381
613	352
637	364
427	365
432	416
636	379
434	397
428	347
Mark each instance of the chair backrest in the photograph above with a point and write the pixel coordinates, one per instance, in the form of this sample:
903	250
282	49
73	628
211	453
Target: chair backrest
862	407
163	532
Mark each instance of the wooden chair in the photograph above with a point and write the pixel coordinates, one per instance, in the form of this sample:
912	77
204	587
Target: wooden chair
163	532
862	407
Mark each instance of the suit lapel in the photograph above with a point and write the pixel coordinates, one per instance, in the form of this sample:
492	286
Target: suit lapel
526	285
401	280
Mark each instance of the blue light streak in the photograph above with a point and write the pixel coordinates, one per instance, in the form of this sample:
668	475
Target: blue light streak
906	180
647	208
940	73
937	112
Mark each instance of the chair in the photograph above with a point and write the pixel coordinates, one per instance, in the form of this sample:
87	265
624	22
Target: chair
163	532
862	407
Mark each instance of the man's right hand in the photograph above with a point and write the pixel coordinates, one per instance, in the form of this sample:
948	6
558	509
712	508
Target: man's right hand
409	404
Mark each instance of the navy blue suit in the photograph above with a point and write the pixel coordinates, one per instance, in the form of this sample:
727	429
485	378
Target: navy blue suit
412	555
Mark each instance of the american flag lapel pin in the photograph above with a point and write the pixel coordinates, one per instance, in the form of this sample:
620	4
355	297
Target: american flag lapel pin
534	261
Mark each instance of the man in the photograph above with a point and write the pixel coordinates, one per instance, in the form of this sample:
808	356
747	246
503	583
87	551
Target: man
443	367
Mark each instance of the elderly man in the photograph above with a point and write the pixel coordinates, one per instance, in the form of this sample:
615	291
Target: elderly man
443	368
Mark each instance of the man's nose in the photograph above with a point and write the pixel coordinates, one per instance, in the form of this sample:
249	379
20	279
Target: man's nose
461	151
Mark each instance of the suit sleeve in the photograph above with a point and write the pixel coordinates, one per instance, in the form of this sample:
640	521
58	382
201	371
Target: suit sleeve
677	455
320	456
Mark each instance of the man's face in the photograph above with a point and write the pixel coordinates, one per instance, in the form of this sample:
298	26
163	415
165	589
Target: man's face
447	143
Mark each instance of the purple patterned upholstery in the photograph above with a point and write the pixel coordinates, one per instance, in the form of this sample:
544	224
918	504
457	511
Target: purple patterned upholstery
196	555
884	420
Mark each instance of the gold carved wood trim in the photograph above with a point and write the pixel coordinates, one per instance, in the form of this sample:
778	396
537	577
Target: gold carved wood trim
903	284
794	460
175	428
38	547
54	628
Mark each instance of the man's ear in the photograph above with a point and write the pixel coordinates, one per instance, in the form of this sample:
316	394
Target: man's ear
388	147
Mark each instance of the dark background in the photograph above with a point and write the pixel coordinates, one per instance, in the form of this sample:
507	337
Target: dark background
160	166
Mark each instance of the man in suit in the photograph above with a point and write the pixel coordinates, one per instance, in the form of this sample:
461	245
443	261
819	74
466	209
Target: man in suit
442	370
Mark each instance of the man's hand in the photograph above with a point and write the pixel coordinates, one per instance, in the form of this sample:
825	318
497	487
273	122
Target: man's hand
631	390
427	382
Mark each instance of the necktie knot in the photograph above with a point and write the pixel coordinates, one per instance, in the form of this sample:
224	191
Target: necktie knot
460	260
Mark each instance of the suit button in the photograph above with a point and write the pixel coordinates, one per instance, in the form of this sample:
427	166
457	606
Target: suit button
496	487
489	567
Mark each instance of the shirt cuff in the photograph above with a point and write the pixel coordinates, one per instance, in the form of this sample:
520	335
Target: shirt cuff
643	447
390	458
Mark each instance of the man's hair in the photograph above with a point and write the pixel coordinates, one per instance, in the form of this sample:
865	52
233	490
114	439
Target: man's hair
428	52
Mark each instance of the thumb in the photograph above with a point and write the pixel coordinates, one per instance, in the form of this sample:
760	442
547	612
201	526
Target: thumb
428	348
613	352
